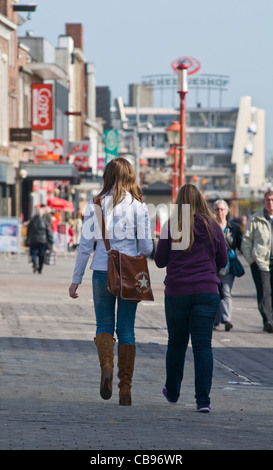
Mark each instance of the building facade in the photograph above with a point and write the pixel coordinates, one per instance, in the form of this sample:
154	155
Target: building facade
224	147
8	103
64	152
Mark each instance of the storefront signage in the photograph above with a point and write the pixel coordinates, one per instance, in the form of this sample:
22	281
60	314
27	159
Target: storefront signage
20	135
205	81
49	151
56	146
79	154
42	99
82	148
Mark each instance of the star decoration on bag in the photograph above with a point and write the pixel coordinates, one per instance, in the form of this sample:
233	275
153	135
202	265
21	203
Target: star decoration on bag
143	282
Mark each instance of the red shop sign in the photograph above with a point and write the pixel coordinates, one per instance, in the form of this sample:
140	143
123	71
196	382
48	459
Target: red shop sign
41	107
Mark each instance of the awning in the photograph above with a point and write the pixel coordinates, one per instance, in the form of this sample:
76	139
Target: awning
50	172
60	204
47	71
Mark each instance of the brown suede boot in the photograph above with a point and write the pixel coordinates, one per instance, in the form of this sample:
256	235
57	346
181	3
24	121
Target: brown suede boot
126	363
105	347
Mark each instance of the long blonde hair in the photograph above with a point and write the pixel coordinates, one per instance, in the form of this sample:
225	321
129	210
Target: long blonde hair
189	194
120	175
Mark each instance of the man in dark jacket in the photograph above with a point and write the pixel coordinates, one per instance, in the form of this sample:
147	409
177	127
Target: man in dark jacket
39	237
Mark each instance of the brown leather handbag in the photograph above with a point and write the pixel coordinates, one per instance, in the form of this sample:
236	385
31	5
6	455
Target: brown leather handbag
127	276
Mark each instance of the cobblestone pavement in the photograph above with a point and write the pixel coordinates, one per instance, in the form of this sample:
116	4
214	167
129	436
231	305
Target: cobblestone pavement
49	393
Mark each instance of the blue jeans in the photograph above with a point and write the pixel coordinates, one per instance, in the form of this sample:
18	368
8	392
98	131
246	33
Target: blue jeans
105	304
225	307
190	315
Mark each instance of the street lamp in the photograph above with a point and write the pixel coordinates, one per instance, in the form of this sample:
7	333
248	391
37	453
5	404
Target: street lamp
31	7
182	89
173	133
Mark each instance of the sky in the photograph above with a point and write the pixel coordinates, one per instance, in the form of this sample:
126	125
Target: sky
127	40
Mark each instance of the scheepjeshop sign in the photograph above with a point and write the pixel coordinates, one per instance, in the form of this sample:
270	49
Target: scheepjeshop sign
202	81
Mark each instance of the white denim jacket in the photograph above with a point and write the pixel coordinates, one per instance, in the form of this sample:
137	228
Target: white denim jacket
128	228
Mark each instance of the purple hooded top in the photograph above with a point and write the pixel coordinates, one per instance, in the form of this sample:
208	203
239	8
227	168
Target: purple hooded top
193	272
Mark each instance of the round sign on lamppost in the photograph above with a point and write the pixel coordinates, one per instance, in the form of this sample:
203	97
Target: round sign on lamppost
193	65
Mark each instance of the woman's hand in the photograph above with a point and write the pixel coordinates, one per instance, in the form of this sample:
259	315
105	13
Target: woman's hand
73	291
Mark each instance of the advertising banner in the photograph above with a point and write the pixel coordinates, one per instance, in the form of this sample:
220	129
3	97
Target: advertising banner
111	145
49	151
42	100
100	163
10	234
79	154
56	147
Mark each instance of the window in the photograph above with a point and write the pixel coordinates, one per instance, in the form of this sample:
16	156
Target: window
222	160
144	140
161	141
222	183
165	120
224	140
197	140
200	161
227	119
197	119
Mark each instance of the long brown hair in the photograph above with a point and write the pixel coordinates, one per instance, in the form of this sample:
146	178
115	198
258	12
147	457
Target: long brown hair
190	194
120	175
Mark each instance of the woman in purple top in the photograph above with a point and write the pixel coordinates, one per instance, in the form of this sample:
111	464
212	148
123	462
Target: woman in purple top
191	247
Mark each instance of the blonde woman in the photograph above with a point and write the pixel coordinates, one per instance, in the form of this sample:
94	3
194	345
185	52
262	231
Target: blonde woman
191	292
233	238
128	226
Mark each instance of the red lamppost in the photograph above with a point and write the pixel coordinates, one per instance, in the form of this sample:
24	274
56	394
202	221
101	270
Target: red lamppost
173	132
182	89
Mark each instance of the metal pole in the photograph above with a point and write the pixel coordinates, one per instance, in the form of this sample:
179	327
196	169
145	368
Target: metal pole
137	134
182	85
182	137
175	173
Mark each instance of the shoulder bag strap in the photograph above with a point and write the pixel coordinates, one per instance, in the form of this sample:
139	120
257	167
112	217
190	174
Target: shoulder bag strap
97	202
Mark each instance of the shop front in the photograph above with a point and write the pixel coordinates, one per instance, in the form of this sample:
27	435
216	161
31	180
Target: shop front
35	184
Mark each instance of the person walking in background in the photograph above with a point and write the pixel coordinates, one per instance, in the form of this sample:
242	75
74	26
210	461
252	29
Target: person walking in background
191	293
243	223
122	205
54	229
77	230
258	251
233	238
39	237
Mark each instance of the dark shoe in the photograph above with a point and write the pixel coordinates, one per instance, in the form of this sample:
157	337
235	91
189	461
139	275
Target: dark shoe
204	409
268	327
34	268
164	391
228	326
